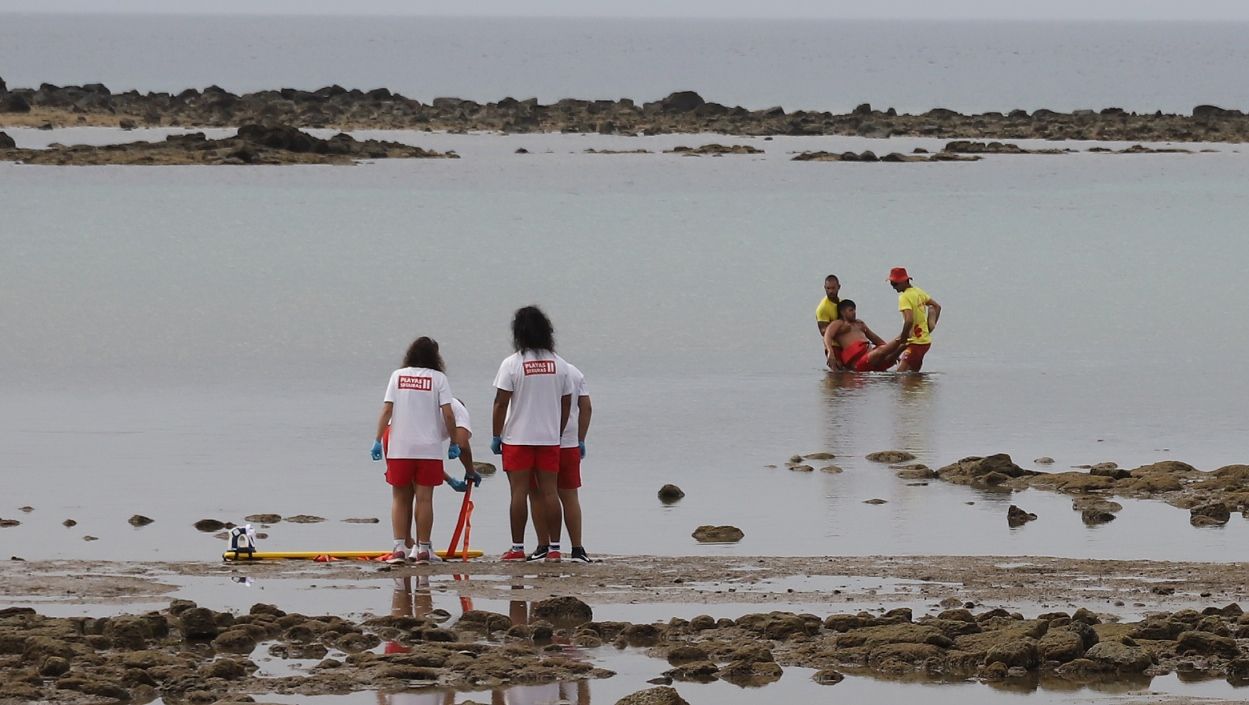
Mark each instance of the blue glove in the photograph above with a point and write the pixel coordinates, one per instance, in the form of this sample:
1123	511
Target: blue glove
453	452
377	450
457	485
496	445
581	446
473	478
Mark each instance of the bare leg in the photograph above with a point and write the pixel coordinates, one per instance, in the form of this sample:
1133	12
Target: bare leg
886	355
910	363
571	503
401	512
519	482
424	513
539	518
547	490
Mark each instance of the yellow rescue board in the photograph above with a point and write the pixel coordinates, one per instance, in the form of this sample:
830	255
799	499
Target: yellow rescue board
340	555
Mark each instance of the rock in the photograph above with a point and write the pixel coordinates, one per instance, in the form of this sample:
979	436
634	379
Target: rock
670	493
1044	460
238	641
1021	652
198	623
210	525
681	102
140	520
715	150
1119	656
13	103
875	500
563	611
915	471
1212	514
362	520
662	695
1206	644
6	142
1093	517
90	538
718	534
686	653
54	667
227	669
69	523
801	468
304	519
1018	517
891	456
1061	645
484	468
827	676
263	518
831	469
819	456
987	471
5	523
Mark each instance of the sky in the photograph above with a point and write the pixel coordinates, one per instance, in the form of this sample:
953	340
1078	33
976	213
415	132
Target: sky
1195	10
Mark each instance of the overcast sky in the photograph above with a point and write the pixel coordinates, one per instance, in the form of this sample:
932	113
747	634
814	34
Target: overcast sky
892	9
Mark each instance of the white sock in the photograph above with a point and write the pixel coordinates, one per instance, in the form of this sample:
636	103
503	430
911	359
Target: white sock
401	544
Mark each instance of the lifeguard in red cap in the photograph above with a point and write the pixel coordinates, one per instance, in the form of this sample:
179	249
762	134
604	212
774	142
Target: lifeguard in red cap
919	317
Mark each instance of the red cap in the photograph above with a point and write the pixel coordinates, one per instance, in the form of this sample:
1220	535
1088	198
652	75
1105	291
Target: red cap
898	275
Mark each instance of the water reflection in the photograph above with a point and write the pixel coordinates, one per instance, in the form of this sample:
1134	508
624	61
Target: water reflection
880	409
412	597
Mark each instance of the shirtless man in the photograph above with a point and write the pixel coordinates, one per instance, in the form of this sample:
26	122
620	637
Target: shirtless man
859	348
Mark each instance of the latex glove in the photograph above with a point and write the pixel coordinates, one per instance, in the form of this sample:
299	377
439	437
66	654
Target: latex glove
496	445
453	452
472	477
581	447
457	485
377	450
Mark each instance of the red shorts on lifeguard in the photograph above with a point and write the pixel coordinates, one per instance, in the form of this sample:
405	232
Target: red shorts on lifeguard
569	468
405	471
914	355
519	458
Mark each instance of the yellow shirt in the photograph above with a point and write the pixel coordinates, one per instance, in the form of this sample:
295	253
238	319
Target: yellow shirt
916	301
826	312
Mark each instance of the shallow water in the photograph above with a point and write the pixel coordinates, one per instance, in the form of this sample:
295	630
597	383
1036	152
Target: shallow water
186	342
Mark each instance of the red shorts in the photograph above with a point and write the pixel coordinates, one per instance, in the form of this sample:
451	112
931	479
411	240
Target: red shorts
855	358
543	458
913	357
569	468
405	471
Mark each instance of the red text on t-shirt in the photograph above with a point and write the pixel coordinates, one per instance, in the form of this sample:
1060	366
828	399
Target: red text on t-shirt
420	384
539	367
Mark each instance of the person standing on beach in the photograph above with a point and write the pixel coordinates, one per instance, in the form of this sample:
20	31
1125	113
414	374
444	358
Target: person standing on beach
532	404
826	313
919	318
571	453
417	414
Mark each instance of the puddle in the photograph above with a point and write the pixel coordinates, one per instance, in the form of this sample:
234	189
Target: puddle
831	584
634	668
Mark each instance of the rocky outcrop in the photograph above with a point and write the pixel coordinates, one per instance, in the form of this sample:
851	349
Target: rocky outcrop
670	493
715	150
680	112
253	144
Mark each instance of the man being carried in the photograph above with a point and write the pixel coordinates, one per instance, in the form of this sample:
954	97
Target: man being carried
919	318
858	348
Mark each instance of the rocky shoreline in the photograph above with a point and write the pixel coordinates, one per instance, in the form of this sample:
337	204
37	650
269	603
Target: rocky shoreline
680	112
252	144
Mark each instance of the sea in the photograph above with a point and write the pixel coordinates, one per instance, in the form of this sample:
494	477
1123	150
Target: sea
193	342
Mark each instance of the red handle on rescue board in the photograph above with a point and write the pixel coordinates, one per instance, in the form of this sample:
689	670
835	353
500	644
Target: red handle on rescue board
466	508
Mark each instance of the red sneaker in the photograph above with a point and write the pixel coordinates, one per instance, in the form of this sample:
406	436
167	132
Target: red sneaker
397	557
514	555
552	557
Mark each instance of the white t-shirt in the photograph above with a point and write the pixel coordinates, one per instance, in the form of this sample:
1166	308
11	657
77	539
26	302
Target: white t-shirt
417	429
461	418
570	439
538	380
